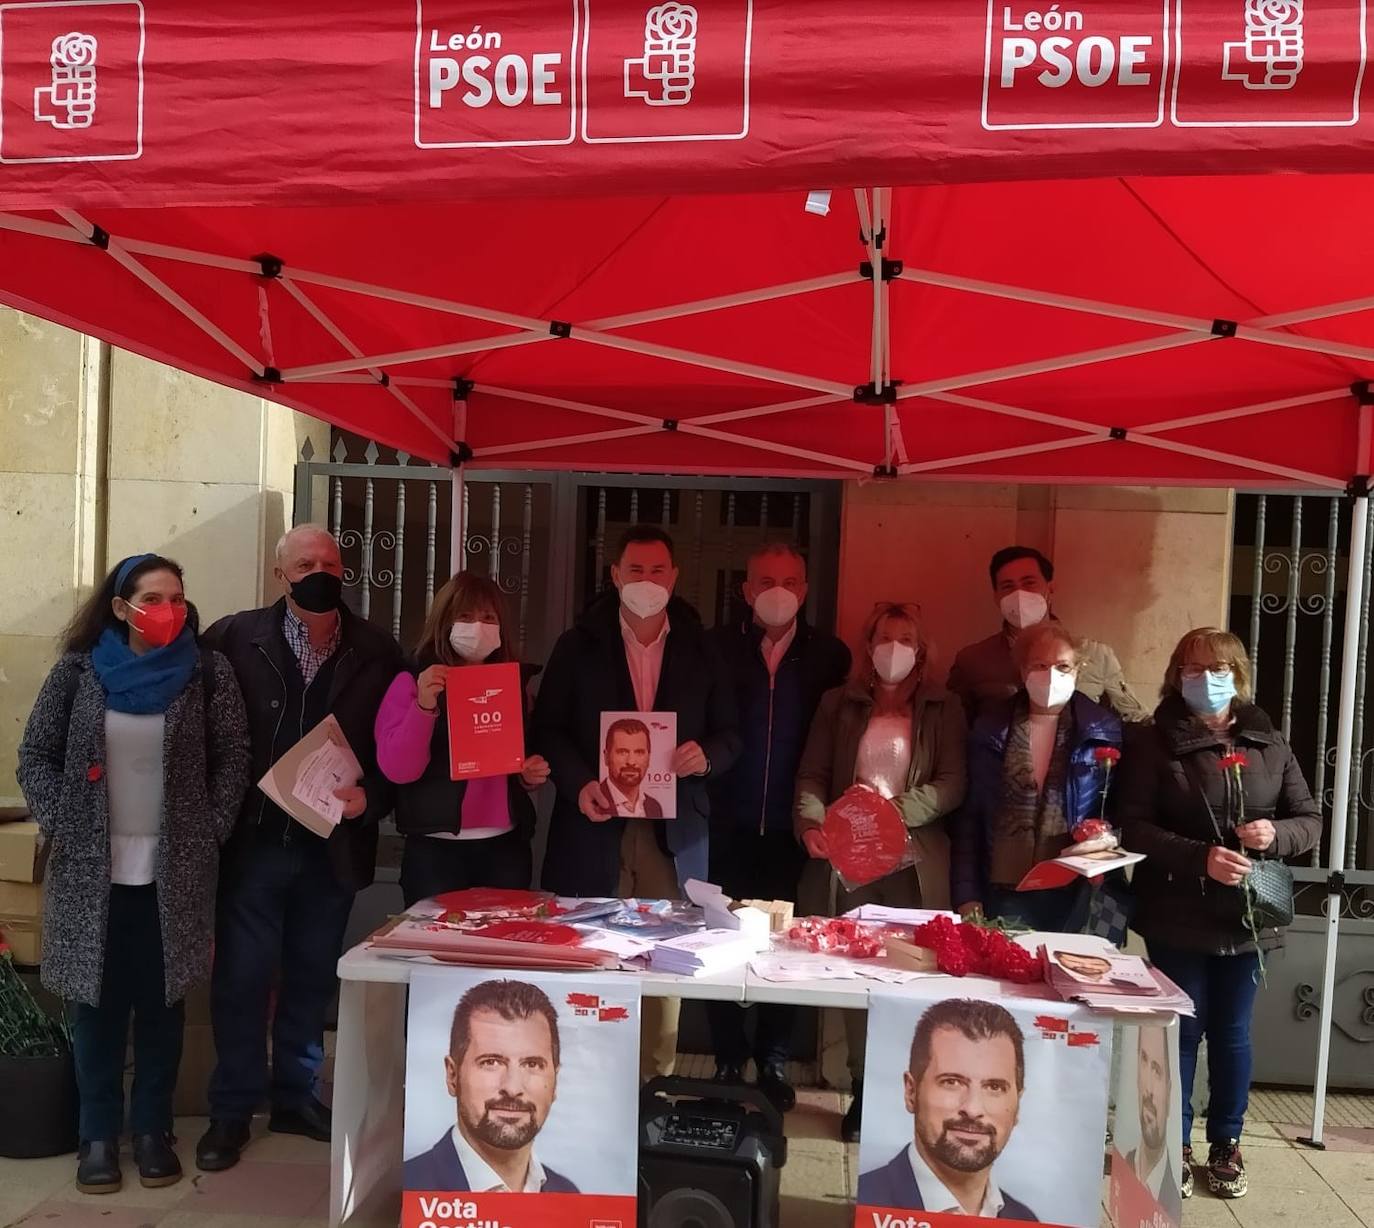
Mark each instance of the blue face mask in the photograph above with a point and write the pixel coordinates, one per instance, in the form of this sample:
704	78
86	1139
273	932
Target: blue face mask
1209	695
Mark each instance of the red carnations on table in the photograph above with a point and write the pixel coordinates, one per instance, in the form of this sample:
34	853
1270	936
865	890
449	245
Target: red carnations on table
962	948
836	936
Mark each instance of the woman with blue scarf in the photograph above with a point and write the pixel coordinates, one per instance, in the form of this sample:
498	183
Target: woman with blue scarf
134	764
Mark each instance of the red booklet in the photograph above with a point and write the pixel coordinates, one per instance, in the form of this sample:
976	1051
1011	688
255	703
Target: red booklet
486	721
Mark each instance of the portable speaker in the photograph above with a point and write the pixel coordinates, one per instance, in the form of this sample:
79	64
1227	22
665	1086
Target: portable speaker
710	1155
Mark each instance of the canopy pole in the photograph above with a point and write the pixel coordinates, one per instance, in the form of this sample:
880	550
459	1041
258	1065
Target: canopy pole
1345	750
457	552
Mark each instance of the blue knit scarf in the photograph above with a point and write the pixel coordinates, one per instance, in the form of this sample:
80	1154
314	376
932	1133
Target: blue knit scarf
147	684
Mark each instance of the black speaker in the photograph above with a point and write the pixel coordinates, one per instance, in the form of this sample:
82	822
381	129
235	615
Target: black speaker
710	1155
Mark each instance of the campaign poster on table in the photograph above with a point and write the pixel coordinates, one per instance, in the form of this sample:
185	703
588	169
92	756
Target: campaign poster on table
637	774
486	720
504	1074
981	1106
1147	1135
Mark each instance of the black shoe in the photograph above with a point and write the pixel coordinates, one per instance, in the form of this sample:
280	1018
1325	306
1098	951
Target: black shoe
97	1167
1186	1181
773	1083
311	1119
220	1146
849	1127
727	1073
157	1162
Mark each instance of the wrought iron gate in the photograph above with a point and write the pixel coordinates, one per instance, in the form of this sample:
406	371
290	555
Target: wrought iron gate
1291	561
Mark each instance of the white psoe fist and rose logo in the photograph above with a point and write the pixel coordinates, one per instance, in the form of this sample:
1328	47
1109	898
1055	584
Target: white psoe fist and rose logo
74	51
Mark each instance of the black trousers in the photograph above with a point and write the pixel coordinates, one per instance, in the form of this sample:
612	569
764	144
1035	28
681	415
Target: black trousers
749	865
132	984
431	867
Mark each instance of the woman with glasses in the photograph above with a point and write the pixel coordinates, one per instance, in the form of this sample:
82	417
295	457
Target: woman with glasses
1207	788
1033	777
886	729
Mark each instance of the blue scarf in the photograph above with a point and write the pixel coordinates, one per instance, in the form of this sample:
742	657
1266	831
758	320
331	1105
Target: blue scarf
143	685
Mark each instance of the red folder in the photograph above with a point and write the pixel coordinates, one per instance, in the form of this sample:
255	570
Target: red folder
486	721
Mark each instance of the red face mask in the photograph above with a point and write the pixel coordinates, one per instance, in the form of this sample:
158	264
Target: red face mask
159	625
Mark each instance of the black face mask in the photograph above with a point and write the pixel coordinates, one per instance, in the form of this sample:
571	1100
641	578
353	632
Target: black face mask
318	593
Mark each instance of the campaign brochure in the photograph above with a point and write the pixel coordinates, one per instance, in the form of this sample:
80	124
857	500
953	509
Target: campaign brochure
637	777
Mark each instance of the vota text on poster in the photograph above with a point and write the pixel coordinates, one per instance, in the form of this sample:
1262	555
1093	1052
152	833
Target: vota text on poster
504	81
1091	64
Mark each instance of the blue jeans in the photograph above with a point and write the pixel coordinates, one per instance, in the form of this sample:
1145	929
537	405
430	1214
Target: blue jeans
281	923
132	983
1223	989
1060	910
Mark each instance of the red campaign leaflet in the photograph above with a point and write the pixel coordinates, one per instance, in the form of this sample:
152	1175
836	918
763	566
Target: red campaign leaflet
670	71
530	931
891	1217
1132	1204
486	724
1269	63
498	903
1095	64
495	75
71	81
865	835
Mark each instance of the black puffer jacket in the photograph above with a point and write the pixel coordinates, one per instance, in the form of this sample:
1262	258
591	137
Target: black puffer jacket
1170	773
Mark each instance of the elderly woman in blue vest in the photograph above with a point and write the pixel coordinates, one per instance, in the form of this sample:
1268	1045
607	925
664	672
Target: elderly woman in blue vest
1033	777
134	763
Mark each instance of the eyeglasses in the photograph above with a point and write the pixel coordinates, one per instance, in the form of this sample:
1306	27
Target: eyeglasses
1218	670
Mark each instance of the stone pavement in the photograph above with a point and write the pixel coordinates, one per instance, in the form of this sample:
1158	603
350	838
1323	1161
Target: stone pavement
283	1182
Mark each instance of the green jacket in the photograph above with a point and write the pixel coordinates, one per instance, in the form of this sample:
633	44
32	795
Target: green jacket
935	784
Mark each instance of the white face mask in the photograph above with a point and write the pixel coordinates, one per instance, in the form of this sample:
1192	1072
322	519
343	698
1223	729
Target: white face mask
644	598
894	662
776	606
1050	688
474	641
1023	608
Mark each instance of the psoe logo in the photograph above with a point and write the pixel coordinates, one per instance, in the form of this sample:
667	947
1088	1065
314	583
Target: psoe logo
71	80
487	696
666	74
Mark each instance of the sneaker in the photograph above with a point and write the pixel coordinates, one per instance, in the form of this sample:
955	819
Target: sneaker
1185	1182
1226	1171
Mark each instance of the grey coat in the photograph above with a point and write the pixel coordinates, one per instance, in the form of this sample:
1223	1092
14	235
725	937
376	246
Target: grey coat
61	771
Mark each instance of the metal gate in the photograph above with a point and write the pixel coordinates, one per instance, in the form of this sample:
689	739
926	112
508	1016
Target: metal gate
1291	563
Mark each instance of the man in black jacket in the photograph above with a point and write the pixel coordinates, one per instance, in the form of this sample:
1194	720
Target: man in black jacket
637	649
780	668
285	894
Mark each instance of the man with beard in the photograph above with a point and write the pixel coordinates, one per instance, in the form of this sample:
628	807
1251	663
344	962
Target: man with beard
627	752
502	1069
963	1089
1154	1088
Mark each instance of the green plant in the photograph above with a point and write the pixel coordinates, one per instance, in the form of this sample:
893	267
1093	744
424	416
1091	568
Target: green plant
26	1029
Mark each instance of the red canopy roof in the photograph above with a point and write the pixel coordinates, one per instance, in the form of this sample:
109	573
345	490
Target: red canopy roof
1118	328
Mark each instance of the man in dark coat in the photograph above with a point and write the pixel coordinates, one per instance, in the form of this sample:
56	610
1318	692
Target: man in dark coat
637	649
963	1088
502	1071
780	667
285	893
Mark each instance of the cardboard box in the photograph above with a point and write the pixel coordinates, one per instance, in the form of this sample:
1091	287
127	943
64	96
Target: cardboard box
24	937
22	901
192	1096
21	859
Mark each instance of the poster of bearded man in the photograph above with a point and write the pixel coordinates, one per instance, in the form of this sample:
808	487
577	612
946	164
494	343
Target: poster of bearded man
980	1107
520	1109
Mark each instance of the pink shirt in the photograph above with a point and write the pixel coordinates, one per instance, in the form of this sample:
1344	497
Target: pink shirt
774	650
645	662
404	731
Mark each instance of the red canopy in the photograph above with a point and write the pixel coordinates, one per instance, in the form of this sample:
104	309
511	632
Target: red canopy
515	239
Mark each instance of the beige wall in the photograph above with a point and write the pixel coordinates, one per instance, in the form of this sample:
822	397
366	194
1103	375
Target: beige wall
1135	566
103	454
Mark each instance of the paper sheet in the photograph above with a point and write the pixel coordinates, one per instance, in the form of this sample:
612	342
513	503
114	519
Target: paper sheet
324	769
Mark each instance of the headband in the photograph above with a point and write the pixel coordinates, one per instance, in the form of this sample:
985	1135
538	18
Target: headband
127	568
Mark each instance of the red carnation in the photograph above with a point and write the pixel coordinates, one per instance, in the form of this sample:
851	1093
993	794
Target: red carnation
1107	754
1090	829
95	772
1236	759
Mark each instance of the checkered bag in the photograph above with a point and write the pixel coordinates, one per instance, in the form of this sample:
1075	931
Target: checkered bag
1110	908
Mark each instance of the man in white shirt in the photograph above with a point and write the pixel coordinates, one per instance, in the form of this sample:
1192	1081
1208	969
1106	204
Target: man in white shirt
629	748
1154	1090
502	1071
963	1089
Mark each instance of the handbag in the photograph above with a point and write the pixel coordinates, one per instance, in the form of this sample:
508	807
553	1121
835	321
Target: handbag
1270	880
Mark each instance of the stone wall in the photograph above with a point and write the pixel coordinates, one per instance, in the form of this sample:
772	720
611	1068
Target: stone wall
104	454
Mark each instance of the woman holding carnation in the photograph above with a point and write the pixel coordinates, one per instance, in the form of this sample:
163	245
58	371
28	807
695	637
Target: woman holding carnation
1207	788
